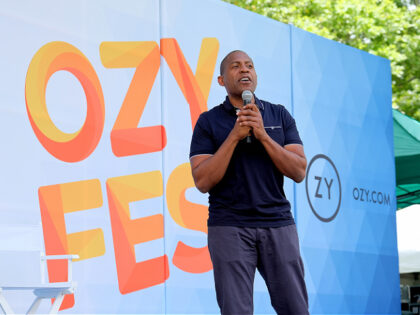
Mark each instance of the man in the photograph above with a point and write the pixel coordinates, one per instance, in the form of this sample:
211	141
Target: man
250	224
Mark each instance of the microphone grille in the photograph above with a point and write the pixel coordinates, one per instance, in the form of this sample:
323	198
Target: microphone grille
247	95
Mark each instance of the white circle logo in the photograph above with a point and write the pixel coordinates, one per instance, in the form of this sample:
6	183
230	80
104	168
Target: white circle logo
323	188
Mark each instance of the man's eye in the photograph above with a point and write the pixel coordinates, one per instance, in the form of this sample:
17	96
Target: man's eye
250	66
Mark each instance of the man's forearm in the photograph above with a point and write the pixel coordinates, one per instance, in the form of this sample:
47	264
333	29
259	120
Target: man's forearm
291	164
211	170
290	161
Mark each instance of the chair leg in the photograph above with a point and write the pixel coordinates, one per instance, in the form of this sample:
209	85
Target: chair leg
4	306
57	303
34	306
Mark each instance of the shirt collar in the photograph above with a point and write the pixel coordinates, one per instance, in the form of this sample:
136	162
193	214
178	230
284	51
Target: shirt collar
231	109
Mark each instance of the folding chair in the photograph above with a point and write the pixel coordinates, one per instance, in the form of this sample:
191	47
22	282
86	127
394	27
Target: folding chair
43	290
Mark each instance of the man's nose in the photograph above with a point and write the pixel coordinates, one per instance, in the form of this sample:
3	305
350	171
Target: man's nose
244	68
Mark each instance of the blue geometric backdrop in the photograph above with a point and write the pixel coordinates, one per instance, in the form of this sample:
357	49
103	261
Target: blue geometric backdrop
342	103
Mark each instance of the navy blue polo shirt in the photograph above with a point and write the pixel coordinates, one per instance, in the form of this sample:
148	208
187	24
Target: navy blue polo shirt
250	194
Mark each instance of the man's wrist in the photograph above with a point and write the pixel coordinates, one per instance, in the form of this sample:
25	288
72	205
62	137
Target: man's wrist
265	138
234	138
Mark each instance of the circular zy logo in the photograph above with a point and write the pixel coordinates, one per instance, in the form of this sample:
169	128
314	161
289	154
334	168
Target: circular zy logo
323	188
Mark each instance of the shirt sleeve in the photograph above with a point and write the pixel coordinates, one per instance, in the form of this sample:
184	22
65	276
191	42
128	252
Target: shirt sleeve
291	133
202	141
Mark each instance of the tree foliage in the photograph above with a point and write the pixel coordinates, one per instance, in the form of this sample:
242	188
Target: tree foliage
387	28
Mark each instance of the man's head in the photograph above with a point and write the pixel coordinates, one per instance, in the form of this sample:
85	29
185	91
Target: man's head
237	73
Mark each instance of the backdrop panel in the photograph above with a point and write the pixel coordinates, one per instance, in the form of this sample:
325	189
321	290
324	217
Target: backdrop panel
346	206
89	180
203	40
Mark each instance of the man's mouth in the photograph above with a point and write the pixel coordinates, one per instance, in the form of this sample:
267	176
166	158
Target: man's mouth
245	80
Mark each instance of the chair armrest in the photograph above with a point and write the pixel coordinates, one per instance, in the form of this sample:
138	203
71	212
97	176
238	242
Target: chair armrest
56	257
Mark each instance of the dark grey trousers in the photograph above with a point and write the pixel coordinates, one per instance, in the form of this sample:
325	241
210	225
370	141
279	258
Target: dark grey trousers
236	253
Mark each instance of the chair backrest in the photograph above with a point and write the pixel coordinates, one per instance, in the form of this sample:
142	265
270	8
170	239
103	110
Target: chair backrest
20	267
20	251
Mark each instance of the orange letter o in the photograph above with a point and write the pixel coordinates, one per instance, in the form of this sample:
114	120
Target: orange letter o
50	58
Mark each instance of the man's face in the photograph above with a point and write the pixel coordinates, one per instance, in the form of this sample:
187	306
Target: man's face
239	74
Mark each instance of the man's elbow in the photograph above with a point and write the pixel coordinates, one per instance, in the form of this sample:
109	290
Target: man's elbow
202	186
300	176
202	189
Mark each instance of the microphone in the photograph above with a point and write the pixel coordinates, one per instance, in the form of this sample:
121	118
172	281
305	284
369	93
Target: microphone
247	98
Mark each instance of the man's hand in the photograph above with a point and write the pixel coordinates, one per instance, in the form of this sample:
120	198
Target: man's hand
240	131
250	116
289	160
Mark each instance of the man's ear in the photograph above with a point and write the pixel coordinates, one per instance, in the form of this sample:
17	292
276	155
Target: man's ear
220	80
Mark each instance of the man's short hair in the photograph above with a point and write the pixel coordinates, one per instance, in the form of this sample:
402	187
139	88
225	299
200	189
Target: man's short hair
223	63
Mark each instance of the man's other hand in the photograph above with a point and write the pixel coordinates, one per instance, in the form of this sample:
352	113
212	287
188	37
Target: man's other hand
250	116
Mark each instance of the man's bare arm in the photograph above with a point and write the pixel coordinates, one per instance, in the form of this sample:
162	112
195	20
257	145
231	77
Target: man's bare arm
208	170
289	160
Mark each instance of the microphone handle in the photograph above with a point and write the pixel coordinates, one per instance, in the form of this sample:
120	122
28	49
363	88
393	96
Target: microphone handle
248	137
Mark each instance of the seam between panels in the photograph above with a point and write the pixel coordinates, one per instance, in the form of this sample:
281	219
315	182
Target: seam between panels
295	212
162	118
